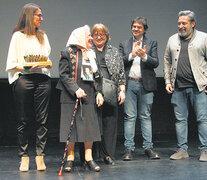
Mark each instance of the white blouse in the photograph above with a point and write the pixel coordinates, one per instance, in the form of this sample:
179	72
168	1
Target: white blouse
22	45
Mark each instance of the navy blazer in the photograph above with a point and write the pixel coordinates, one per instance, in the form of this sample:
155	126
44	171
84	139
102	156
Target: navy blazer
147	67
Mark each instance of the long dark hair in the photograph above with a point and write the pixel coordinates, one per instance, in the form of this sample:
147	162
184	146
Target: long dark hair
25	23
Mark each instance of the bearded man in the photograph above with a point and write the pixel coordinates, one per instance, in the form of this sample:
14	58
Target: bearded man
185	73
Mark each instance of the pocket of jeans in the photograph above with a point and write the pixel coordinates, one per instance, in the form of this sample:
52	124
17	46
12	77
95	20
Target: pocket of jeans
173	98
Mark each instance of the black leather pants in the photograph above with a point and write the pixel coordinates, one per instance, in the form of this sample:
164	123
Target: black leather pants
31	97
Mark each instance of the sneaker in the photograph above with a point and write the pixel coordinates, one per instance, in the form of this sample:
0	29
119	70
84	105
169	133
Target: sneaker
180	154
203	156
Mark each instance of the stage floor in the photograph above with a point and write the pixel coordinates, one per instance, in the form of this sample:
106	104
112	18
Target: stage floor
140	168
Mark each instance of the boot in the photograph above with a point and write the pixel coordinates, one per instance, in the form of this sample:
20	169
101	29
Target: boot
24	166
40	163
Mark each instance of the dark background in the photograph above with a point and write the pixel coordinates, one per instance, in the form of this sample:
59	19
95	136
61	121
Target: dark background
162	117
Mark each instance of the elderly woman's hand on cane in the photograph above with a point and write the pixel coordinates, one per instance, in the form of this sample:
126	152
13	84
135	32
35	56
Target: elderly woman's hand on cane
80	93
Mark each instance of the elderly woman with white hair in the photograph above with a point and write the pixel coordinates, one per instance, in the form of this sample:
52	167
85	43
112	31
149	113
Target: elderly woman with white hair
73	60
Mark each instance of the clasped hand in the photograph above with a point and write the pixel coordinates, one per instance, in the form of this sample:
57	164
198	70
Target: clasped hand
138	51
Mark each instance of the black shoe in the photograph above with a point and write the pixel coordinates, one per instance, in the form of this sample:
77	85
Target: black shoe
109	161
92	165
128	155
68	166
151	154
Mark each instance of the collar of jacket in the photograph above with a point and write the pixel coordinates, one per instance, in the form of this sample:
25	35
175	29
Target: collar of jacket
108	55
106	46
194	35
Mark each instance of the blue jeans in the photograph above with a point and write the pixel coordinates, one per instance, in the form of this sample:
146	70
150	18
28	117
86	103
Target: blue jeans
180	101
137	101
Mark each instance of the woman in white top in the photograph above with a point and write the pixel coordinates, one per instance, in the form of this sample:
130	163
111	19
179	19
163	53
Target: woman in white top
31	85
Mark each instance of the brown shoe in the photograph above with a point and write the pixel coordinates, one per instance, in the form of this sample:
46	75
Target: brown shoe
180	154
151	154
128	156
40	163
203	156
24	166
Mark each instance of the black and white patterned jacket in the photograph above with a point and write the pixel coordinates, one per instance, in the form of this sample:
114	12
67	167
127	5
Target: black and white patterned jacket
115	65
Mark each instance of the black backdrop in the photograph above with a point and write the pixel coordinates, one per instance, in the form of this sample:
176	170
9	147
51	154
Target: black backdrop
162	116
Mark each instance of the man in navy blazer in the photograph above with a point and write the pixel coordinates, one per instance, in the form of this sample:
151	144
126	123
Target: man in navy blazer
140	59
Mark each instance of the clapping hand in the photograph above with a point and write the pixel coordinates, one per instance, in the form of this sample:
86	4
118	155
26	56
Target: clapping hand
138	51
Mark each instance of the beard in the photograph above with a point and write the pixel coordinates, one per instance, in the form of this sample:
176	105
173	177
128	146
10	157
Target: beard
185	34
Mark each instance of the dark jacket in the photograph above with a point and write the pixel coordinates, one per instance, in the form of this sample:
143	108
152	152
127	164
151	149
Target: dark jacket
67	66
147	67
115	65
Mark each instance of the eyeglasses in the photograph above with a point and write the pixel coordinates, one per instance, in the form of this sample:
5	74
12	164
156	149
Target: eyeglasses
39	15
99	35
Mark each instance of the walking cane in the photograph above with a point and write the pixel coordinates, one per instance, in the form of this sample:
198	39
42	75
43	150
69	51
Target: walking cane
68	139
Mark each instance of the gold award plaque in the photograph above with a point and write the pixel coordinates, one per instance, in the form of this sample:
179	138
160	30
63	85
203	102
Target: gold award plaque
32	60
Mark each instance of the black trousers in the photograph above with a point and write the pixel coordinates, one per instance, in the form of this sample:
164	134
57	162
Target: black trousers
109	128
31	96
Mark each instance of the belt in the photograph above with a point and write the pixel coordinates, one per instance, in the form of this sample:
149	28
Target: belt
135	79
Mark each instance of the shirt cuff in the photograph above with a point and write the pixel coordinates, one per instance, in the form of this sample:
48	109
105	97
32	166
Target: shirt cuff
145	59
130	57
